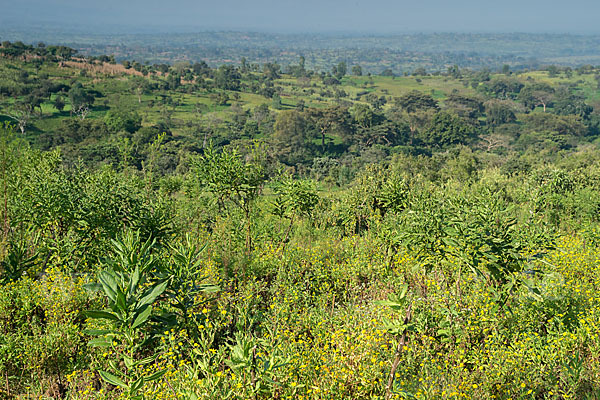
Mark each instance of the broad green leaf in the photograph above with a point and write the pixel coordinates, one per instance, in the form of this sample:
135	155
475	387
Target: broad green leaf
137	385
97	332
101	315
112	379
100	342
152	294
142	316
146	360
155	376
128	361
122	306
209	288
392	304
109	284
134	280
403	291
92	287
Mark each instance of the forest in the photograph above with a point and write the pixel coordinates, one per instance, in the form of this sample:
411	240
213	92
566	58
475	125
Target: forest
266	231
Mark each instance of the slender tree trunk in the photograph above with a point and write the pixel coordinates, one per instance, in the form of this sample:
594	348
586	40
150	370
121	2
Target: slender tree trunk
248	232
5	191
287	234
399	349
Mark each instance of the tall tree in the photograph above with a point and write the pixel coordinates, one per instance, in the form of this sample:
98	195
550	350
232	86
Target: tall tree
21	112
291	137
81	100
357	70
538	94
416	100
330	120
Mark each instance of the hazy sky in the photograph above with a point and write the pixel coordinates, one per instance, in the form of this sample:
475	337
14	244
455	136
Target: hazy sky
376	16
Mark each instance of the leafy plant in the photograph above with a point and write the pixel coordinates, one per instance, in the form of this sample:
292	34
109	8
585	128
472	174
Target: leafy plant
233	179
295	199
131	292
484	236
186	281
398	303
18	260
249	355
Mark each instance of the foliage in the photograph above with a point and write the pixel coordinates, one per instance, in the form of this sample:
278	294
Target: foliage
127	283
233	180
249	270
446	129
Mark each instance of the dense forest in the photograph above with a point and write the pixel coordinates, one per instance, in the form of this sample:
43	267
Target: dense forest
263	231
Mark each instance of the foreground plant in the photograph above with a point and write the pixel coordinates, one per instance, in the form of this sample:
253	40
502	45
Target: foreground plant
131	292
398	304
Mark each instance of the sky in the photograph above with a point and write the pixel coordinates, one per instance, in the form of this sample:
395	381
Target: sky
300	16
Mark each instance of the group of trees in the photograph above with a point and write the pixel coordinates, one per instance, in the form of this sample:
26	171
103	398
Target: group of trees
505	113
19	49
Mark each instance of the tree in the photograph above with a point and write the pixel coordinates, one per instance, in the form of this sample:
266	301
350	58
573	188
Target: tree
295	199
299	70
140	86
340	71
59	103
121	120
377	102
454	72
81	100
276	101
333	119
220	98
21	112
503	87
387	133
364	116
35	100
552	71
568	103
446	129
234	179
465	106
291	137
174	80
272	70
567	125
420	71
415	100
499	112
227	78
538	94
357	70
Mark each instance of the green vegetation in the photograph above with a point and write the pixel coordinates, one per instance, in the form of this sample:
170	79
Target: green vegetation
247	232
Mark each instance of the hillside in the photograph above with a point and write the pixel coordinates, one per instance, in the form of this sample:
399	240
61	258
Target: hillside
248	232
